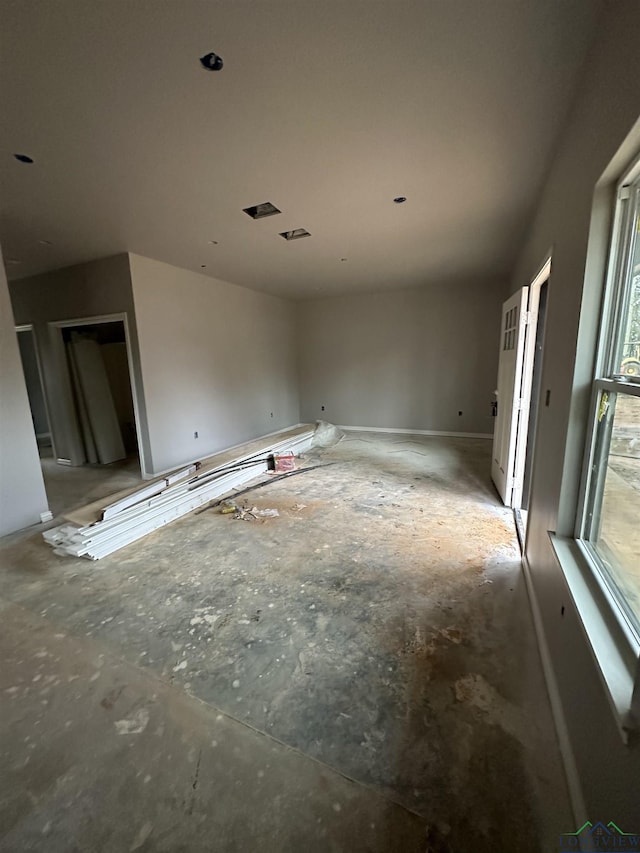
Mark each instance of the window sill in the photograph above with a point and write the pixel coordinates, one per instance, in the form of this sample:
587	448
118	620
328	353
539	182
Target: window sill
614	652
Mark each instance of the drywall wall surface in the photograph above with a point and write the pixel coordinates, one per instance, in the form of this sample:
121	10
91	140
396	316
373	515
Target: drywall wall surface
93	289
605	110
22	494
411	359
217	360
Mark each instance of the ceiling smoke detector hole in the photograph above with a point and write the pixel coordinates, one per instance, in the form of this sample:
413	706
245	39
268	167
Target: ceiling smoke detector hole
400	199
260	211
295	234
23	158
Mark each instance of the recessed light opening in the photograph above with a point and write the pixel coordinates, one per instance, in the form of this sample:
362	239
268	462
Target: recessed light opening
295	234
211	62
400	199
213	242
259	211
23	158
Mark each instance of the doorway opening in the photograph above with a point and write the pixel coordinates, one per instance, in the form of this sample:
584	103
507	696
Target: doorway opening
96	423
98	365
35	390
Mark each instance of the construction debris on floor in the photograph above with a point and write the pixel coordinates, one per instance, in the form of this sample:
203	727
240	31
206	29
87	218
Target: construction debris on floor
144	510
244	513
284	461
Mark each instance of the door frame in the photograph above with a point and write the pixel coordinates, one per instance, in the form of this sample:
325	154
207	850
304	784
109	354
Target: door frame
29	327
59	348
522	427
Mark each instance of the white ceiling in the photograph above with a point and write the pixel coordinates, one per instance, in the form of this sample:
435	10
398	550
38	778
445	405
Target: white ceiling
327	108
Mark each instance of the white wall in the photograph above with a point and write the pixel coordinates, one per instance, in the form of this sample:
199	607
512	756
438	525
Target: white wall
22	494
216	359
85	290
408	359
606	107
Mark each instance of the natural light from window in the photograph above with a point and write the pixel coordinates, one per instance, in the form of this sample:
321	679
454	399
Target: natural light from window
612	519
618	537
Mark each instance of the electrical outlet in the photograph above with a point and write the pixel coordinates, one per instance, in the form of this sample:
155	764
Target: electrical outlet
271	414
322	408
195	435
459	414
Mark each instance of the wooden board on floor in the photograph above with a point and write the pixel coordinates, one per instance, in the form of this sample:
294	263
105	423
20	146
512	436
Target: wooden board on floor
92	512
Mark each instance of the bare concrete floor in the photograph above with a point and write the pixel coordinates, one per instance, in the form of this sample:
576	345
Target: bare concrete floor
358	674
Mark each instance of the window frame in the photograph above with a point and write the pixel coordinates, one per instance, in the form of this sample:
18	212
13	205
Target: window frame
595	469
621	247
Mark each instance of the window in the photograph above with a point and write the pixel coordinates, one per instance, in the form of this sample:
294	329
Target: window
608	527
510	329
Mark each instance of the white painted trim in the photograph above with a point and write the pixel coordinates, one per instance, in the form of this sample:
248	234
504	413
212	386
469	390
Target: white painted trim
522	430
574	787
224	450
543	275
630	175
114	318
150	491
102	537
434	432
61	461
46	516
614	648
90	321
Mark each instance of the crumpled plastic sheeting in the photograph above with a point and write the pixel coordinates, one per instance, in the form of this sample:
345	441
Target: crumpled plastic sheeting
326	435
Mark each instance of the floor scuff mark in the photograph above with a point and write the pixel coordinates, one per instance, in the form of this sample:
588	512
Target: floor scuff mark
135	724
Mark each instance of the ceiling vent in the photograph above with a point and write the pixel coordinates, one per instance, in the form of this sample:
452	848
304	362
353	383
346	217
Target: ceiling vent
296	234
261	210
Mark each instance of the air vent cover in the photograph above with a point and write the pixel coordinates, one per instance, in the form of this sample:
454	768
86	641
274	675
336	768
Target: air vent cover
261	210
296	234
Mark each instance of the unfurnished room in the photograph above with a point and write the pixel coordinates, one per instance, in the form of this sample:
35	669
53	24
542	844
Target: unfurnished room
319	426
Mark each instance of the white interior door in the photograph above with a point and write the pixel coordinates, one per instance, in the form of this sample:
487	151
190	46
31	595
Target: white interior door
512	340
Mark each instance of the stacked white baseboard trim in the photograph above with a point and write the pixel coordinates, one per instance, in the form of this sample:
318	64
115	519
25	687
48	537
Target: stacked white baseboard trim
165	500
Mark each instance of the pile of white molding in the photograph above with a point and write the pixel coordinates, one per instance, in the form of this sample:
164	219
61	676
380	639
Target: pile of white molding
170	497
